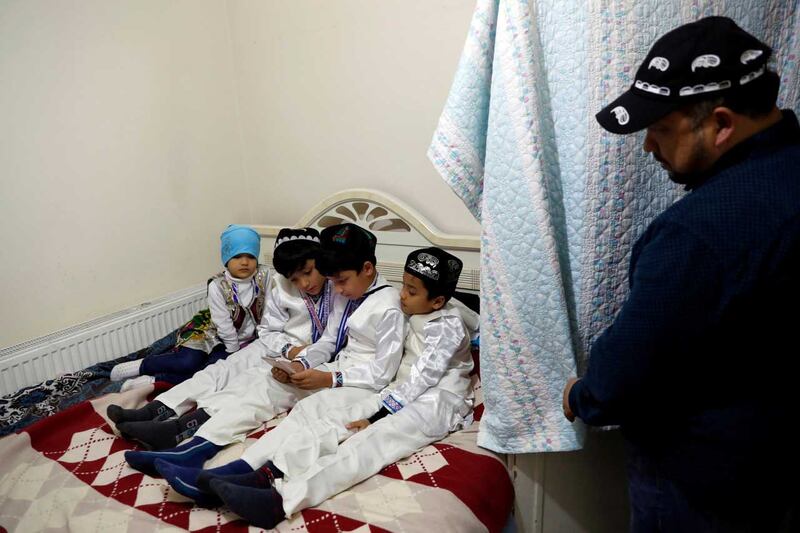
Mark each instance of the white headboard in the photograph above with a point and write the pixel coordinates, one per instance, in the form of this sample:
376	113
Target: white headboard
398	228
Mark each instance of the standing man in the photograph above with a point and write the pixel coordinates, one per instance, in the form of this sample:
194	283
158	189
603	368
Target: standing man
699	367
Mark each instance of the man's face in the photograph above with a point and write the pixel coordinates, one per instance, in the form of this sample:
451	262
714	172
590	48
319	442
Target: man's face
308	279
351	284
683	150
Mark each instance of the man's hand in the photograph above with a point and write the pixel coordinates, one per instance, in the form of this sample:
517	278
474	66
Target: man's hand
292	352
565	400
311	379
282	376
358	425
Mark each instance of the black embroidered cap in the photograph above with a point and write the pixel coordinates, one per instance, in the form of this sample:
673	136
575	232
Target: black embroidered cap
350	238
436	266
293	249
700	60
286	235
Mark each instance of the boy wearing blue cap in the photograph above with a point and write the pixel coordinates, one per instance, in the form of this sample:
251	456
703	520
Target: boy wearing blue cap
236	301
297	310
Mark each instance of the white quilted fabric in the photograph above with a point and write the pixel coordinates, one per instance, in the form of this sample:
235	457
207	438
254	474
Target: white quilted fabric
497	146
560	201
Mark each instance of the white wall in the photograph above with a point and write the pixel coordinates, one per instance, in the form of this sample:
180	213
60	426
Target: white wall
132	132
120	155
346	94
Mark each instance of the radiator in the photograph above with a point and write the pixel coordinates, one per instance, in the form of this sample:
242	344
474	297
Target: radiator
98	340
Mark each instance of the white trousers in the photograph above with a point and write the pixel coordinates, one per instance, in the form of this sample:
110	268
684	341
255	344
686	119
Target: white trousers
247	401
231	371
321	458
253	398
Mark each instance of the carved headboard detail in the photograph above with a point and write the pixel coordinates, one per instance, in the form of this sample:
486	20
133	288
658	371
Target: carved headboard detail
398	228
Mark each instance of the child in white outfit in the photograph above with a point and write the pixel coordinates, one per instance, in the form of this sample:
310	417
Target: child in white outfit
235	307
298	309
327	445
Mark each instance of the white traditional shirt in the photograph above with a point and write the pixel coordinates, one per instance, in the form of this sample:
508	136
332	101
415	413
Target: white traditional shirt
374	341
287	320
437	358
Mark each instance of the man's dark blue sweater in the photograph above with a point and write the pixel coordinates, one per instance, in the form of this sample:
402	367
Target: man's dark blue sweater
699	366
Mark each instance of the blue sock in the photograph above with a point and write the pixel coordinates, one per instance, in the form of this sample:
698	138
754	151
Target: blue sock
232	472
260	507
192	454
184	481
188	475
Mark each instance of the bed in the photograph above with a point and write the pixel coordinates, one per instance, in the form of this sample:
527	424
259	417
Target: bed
67	471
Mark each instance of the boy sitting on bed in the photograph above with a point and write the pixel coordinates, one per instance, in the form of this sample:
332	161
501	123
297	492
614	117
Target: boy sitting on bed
326	445
370	335
235	306
298	309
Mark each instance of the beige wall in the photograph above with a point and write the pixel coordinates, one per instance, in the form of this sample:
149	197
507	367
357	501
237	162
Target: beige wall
120	159
132	132
346	94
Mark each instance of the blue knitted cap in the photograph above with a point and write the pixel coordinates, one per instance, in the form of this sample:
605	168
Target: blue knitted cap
238	239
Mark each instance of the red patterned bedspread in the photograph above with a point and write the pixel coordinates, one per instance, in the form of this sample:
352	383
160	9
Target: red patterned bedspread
67	472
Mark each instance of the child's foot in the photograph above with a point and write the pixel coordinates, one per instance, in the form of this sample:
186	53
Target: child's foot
152	411
126	370
192	454
260	507
184	481
144	462
153	435
156	435
135	383
237	472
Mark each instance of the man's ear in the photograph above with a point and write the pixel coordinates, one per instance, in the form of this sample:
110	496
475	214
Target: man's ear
438	302
724	123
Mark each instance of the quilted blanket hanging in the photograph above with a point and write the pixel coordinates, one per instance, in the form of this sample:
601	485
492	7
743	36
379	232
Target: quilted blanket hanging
560	201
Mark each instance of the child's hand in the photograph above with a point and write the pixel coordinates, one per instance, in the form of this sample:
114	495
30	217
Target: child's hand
294	350
358	425
311	379
283	376
280	375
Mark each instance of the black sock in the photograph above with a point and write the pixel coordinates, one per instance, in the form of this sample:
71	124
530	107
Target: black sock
152	434
152	411
189	423
156	435
260	507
